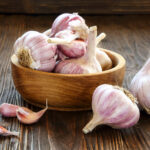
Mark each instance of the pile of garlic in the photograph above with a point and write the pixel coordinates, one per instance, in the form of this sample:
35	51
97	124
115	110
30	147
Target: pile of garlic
69	47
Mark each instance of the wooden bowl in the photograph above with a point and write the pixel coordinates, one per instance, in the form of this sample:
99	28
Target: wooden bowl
67	92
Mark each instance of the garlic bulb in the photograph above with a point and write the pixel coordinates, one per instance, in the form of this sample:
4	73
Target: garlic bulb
113	106
70	27
8	110
140	86
5	132
33	51
85	64
72	22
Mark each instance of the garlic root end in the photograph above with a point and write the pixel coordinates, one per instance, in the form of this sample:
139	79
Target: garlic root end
91	125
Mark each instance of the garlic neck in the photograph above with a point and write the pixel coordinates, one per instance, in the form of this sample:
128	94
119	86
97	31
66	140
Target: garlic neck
91	43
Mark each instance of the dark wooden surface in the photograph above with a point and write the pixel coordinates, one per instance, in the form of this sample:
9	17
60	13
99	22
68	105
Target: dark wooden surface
82	6
127	35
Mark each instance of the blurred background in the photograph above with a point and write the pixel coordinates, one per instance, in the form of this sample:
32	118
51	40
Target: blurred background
82	6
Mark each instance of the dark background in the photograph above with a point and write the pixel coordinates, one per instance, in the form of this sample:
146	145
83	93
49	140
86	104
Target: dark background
81	6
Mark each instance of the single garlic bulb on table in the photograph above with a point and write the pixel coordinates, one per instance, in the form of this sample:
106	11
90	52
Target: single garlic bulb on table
140	86
113	106
85	64
33	51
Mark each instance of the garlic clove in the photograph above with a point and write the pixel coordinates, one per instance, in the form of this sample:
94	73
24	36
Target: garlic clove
100	37
8	110
140	86
32	49
113	106
61	56
76	48
5	132
85	64
27	116
103	59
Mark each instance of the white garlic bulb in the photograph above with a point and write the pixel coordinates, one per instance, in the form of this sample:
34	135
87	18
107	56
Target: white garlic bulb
140	86
33	51
113	106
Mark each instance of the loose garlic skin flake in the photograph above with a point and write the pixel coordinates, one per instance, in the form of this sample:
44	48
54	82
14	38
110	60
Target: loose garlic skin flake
113	106
33	51
140	86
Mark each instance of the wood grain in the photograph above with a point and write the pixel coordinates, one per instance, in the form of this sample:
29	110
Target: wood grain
127	35
84	6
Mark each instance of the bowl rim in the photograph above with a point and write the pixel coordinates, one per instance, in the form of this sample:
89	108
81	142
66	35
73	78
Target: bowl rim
121	60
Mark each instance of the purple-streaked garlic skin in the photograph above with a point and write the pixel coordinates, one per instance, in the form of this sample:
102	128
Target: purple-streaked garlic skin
111	106
71	27
140	86
66	67
85	64
27	116
67	21
66	34
61	56
8	110
75	49
5	132
41	52
103	59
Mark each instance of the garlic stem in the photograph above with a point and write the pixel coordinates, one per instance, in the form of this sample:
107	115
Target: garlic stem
91	125
59	41
91	44
66	41
100	38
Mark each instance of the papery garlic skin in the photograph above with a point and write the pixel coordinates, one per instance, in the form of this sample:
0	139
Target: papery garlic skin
8	110
27	116
33	51
111	106
75	49
140	86
103	59
85	64
72	22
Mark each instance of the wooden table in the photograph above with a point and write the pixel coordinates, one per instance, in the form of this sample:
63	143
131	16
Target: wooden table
127	35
